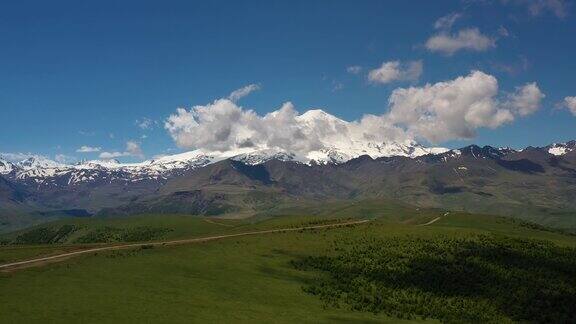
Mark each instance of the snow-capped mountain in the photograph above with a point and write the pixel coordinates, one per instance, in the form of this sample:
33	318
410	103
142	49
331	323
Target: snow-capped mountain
399	169
41	170
342	142
5	166
44	171
559	149
38	162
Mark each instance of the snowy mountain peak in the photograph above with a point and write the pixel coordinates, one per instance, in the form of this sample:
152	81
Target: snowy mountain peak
112	163
41	170
317	114
559	149
44	171
37	161
262	156
5	166
319	118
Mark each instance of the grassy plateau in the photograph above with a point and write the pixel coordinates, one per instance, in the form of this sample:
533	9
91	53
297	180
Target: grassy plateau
404	265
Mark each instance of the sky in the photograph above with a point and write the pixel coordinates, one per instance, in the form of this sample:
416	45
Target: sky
104	79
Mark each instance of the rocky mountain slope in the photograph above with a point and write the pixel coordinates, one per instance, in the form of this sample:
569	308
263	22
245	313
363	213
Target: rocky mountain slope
534	183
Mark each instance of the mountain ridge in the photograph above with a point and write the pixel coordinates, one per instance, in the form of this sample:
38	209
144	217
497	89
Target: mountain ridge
524	183
40	169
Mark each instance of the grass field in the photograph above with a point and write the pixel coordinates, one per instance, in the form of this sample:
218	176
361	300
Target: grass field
242	279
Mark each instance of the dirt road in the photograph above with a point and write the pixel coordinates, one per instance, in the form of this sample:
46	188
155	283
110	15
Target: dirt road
63	256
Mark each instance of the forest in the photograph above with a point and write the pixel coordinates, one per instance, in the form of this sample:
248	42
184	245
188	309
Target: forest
484	278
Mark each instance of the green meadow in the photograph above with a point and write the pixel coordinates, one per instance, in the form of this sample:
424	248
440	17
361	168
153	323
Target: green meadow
308	276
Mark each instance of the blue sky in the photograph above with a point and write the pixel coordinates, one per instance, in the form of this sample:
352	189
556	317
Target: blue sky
80	73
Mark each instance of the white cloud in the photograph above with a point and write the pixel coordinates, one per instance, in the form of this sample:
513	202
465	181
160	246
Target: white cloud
243	92
132	149
449	110
18	156
526	100
466	39
447	21
570	104
88	149
456	109
396	71
223	126
145	123
65	159
443	111
42	159
112	155
354	69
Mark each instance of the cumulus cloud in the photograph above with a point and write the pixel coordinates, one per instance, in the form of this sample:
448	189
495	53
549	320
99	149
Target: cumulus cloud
132	149
447	21
456	109
396	71
470	39
570	104
443	111
526	100
449	110
88	149
223	126
243	92
354	69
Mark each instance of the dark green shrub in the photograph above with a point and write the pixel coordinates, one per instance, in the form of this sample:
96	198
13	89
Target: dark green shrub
480	279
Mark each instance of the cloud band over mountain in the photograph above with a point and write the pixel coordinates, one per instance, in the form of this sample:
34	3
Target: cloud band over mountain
443	111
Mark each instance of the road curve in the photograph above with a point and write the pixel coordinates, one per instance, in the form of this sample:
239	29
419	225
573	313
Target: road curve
174	242
430	222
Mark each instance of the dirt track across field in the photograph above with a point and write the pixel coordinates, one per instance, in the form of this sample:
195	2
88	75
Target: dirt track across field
63	256
430	222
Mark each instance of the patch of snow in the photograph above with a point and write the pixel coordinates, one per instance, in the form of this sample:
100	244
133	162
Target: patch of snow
6	166
560	149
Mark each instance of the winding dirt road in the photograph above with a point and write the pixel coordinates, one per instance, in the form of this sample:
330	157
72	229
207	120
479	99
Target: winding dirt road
63	256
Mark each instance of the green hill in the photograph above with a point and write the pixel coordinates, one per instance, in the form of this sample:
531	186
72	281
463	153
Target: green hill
263	278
